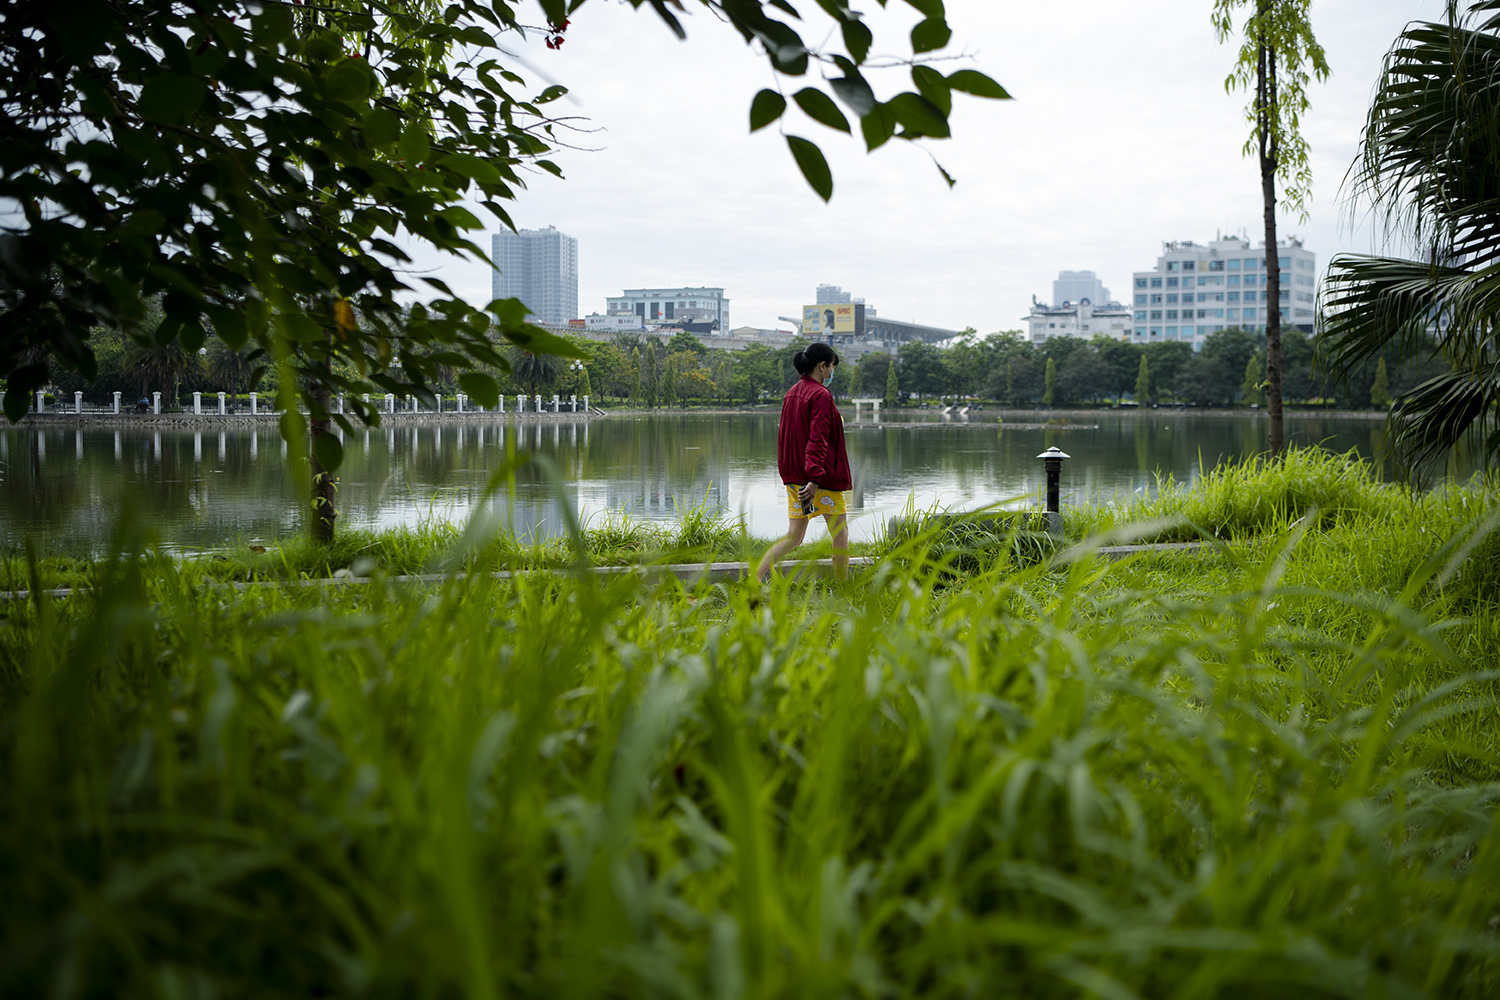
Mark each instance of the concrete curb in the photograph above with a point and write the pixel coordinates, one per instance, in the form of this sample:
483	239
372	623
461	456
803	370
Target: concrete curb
717	572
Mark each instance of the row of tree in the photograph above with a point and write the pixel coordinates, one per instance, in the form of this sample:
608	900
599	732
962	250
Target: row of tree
1230	369
644	371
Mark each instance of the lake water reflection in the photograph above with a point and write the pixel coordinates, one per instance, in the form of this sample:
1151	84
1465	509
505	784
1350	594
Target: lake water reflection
209	487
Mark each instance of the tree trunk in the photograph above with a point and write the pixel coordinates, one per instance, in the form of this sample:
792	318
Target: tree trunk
1266	104
323	491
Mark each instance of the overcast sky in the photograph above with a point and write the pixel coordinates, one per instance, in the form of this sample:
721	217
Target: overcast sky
1120	136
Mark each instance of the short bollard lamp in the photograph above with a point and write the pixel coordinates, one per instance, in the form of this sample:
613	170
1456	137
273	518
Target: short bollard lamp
1053	457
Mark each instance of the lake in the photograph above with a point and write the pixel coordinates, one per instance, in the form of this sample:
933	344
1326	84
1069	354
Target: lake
210	487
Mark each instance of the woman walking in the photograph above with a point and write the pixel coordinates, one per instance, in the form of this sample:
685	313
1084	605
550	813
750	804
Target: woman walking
811	457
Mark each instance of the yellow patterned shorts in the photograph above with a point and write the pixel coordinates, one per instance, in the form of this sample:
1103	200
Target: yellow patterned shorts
823	502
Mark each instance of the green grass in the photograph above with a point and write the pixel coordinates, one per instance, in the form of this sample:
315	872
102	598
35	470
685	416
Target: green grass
1269	769
697	535
1238	500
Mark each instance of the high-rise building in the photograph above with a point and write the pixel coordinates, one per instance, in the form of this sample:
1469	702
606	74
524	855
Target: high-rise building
1196	290
1073	287
688	304
539	267
833	295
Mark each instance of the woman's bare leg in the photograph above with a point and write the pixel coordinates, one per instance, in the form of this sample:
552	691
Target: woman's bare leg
838	531
795	532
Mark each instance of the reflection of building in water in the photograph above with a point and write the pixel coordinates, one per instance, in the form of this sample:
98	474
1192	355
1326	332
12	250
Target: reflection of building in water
658	498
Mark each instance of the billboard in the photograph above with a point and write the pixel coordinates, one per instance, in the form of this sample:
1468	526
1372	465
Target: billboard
818	321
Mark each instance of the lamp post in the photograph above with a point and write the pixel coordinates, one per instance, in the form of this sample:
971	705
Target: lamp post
1053	458
577	369
198	396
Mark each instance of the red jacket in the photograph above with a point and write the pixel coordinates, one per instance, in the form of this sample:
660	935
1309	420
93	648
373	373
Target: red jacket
810	439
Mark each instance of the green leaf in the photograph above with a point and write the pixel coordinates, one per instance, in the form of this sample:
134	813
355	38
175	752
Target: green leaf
349	81
192	335
918	116
16	403
934	87
473	167
273	24
229	326
930	35
857	40
971	81
482	388
416	144
301	328
552	93
539	341
328	452
475	35
461	217
765	108
820	108
878	126
180	306
855	92
660	6
293	426
810	161
784	46
783	5
171	98
511	313
322	47
381	127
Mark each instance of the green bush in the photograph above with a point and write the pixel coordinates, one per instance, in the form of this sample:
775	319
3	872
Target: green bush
1258	496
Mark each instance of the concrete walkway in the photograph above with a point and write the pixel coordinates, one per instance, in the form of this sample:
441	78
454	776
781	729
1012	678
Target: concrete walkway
691	573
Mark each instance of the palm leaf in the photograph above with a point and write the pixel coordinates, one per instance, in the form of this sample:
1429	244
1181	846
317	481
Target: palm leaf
1441	412
1431	157
1371	304
1430	166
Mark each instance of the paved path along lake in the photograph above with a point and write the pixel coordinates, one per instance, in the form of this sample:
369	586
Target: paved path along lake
65	486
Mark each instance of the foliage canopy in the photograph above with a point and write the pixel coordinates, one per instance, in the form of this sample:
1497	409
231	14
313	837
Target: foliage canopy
255	167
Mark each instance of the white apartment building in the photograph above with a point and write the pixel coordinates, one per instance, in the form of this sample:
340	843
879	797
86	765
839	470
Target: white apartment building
1197	290
539	267
1081	319
674	305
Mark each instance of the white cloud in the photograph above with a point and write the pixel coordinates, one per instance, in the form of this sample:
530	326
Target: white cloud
1121	136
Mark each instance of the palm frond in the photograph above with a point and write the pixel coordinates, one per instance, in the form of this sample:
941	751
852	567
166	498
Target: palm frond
1431	158
1439	413
1371	304
1430	164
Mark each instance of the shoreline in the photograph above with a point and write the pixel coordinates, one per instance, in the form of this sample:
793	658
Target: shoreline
246	420
1008	419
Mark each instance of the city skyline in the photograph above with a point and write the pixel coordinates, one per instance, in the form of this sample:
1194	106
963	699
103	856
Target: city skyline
671	190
